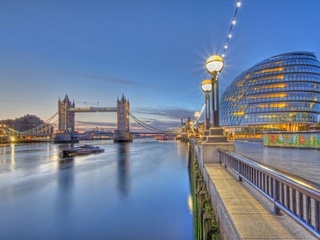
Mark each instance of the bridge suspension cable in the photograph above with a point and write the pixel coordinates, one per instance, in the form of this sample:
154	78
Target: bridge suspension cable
153	129
13	131
44	126
142	124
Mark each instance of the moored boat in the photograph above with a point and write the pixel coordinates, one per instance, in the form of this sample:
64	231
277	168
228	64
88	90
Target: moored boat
81	150
165	137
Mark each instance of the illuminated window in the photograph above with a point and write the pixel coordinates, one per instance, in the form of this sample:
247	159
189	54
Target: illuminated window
274	90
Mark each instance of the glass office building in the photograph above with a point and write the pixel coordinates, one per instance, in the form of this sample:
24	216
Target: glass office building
278	93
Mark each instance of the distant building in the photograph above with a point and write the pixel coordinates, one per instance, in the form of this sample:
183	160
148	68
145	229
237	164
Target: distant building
7	123
96	133
27	123
278	93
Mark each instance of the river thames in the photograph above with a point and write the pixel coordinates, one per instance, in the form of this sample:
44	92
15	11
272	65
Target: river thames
139	190
304	163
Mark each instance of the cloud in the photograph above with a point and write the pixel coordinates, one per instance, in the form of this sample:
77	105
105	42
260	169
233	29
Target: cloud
169	113
157	118
162	118
96	123
86	125
107	79
122	81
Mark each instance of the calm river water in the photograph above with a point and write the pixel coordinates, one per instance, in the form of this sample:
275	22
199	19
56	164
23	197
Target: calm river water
138	190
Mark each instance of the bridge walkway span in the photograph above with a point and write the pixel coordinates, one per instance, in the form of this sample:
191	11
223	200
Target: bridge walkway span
92	109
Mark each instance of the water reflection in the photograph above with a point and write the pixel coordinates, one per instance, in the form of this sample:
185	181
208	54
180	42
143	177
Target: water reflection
182	150
123	168
112	195
66	163
65	183
13	163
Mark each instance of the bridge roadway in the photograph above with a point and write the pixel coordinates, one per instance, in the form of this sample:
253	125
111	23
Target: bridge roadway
241	211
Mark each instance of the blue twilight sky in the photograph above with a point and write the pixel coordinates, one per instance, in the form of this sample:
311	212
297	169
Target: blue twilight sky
150	50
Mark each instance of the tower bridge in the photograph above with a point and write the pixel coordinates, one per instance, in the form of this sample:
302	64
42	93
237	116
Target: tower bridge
67	110
66	124
66	114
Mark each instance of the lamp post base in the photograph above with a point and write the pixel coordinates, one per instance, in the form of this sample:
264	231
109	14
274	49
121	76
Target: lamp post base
212	140
214	135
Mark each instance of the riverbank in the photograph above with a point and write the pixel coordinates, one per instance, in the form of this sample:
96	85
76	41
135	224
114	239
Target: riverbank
205	224
241	211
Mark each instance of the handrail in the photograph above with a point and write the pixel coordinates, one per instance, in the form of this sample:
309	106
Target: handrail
299	199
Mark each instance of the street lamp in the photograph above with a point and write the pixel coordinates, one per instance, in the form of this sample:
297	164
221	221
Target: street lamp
214	65
196	115
206	87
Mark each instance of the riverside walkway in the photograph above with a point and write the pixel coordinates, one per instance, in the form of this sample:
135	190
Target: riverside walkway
241	211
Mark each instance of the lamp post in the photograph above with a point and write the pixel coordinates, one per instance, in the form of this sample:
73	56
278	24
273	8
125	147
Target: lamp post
214	65
196	115
206	87
214	138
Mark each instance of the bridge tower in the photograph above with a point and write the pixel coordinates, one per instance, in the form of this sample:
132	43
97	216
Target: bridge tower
122	134
66	118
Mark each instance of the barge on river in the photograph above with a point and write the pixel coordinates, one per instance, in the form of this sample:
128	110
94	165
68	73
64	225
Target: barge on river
82	150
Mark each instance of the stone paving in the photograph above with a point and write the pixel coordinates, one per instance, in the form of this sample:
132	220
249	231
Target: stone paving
304	163
244	214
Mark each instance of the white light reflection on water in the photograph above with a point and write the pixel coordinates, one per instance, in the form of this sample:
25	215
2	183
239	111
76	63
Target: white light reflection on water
13	164
190	203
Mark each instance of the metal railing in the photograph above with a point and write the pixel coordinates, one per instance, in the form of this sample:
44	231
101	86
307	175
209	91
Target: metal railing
298	199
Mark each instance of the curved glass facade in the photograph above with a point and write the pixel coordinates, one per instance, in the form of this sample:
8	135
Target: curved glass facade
283	90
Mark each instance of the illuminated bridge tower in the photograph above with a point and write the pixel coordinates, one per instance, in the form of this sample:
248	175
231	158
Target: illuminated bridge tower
122	134
66	118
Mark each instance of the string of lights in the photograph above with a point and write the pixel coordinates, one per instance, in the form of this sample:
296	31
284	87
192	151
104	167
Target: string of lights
233	22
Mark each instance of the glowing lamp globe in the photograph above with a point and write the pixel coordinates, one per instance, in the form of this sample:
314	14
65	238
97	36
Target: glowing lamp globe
214	64
206	85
